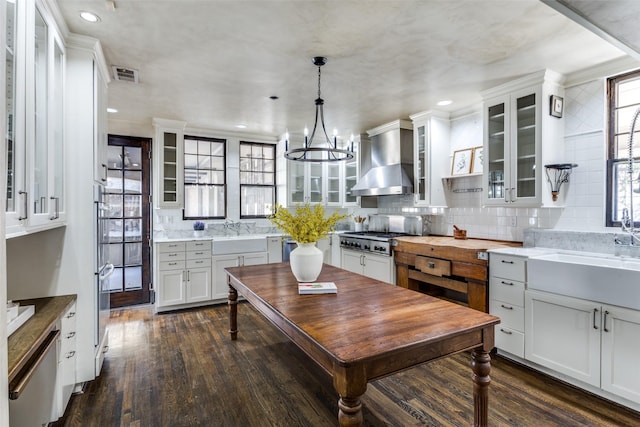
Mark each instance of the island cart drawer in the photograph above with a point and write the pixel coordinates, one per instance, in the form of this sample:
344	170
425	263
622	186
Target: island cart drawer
434	266
171	247
508	267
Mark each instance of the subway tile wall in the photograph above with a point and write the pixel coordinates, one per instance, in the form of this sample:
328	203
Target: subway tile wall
584	208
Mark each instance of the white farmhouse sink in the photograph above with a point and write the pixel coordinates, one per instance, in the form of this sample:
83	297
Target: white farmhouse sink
605	279
238	245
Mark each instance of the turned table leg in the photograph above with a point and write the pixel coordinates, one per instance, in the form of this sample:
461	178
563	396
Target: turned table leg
481	366
351	384
233	313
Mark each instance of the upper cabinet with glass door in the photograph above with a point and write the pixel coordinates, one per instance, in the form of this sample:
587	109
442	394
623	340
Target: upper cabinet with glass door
520	137
169	143
35	121
430	157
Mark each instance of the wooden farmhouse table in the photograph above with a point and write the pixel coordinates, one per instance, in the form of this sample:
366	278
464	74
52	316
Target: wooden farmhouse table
368	330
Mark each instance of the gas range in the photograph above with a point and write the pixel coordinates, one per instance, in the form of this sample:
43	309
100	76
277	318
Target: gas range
369	241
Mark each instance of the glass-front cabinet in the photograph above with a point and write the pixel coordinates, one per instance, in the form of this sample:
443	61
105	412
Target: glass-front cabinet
520	138
328	183
34	120
169	163
430	157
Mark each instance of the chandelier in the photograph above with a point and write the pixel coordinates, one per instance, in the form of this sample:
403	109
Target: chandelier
325	151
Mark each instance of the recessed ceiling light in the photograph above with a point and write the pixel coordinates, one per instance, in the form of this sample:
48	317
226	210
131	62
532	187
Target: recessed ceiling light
241	126
89	16
111	110
444	102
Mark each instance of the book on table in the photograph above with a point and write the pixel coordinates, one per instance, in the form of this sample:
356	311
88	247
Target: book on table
317	288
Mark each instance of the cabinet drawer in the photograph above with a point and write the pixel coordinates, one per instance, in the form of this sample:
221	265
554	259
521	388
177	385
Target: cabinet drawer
199	245
68	322
511	316
510	340
196	263
508	267
199	254
506	290
172	265
434	266
67	348
171	247
172	256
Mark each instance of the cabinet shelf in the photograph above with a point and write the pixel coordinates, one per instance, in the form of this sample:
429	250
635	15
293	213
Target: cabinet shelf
496	161
527	156
496	116
527	108
526	128
526	179
495	134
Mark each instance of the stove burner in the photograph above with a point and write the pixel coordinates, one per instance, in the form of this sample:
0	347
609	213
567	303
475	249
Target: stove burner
378	242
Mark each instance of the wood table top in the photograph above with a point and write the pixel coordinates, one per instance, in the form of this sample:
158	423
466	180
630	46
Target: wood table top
366	320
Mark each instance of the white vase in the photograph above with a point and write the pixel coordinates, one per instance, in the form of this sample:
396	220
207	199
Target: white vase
306	262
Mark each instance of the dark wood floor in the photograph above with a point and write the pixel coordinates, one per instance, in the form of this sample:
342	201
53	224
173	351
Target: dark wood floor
181	369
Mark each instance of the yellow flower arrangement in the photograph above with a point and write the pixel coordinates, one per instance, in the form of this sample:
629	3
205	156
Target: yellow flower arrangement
307	225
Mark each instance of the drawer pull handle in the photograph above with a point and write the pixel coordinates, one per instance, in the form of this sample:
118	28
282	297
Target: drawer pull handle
506	283
71	354
71	335
172	255
432	265
506	332
199	262
504	261
71	314
173	263
506	307
199	253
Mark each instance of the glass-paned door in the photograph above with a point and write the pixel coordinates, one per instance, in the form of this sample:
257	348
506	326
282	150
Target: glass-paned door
496	147
127	196
526	146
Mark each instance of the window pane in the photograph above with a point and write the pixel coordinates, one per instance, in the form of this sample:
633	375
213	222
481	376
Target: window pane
115	230
133	206
628	92
190	161
114	283
622	199
245	150
257	201
204	148
132	182
190	146
204	162
132	278
115	254
133	230
217	149
133	253
217	163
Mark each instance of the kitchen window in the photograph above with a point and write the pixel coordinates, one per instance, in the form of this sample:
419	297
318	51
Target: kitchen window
204	178
257	179
624	100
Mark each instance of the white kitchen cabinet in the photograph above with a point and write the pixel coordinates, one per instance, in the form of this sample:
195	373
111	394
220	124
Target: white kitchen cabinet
183	277
520	137
328	183
169	185
36	122
220	262
506	300
336	260
377	267
66	377
563	334
274	249
431	131
620	348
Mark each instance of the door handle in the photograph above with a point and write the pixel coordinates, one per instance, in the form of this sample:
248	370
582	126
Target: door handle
104	169
604	321
595	312
25	205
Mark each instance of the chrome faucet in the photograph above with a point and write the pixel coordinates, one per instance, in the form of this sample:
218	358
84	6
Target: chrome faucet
627	220
230	224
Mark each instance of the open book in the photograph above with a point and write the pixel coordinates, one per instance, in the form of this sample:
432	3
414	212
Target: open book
317	288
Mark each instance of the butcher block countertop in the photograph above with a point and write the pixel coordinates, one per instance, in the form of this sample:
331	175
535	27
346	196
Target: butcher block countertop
465	250
26	341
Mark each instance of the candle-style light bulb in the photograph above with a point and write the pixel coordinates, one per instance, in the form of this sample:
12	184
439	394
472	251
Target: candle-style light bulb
335	138
306	132
286	141
351	139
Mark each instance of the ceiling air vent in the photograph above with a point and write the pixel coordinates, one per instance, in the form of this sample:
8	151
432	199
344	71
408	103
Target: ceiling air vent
123	74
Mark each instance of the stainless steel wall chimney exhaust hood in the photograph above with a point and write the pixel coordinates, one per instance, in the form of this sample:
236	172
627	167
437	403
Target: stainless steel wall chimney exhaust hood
391	161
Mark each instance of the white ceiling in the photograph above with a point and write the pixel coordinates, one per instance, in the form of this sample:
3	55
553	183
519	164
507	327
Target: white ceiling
215	63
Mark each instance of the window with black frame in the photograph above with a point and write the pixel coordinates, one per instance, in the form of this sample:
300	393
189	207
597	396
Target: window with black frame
204	178
622	187
257	179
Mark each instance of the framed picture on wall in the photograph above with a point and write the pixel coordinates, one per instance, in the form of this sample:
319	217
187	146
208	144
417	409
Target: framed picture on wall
461	164
476	164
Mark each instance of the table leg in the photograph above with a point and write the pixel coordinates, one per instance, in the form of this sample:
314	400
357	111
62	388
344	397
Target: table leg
351	384
233	313
481	366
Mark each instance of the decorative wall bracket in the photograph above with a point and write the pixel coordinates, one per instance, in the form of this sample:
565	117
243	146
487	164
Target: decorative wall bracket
558	174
